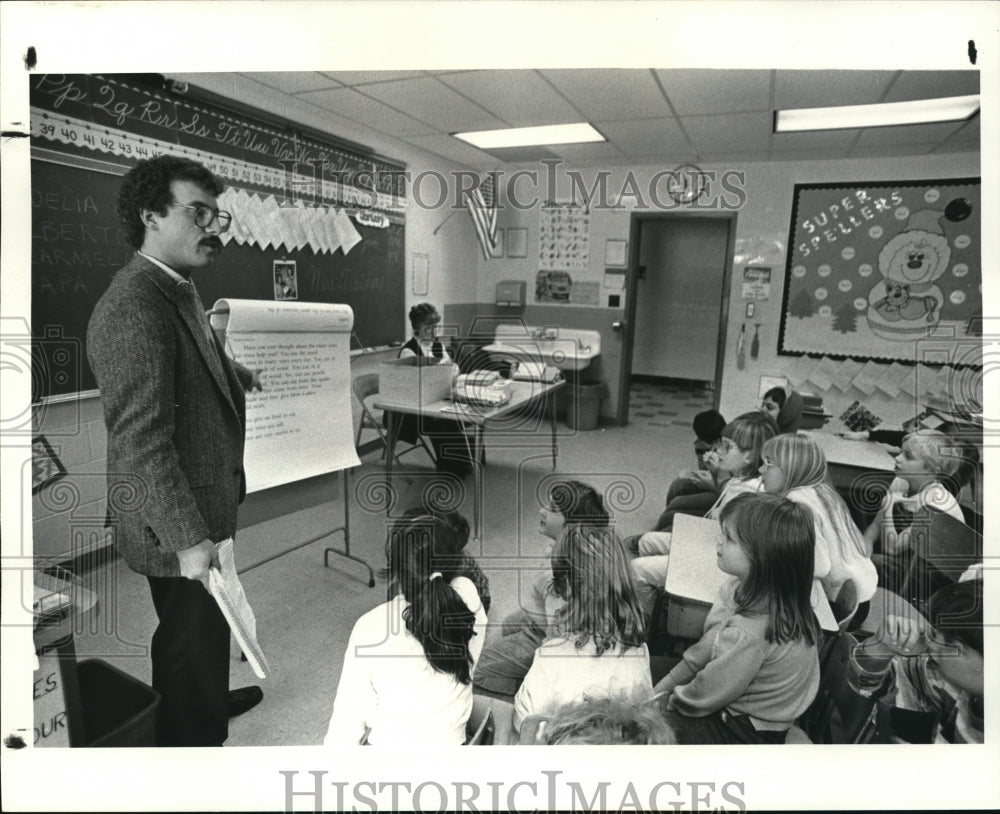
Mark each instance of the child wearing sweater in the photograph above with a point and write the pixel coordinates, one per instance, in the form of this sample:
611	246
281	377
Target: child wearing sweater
795	467
598	647
756	668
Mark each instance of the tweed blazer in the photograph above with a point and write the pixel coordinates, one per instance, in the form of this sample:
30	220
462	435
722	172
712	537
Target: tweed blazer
175	416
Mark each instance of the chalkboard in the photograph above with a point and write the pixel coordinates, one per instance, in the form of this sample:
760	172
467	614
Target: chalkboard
81	146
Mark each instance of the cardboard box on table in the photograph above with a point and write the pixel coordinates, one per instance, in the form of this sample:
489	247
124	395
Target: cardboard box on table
414	379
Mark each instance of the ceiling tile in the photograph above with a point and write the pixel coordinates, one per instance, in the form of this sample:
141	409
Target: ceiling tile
890	150
906	134
431	101
519	98
367	77
645	136
294	81
732	132
521	155
706	91
967	131
588	152
810	154
352	105
713	158
605	95
814	140
798	89
451	148
932	85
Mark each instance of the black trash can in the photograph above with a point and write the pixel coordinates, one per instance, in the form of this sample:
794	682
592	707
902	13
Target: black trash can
116	709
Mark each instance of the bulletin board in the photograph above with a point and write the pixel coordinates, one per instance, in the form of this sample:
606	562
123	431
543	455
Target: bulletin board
338	216
876	269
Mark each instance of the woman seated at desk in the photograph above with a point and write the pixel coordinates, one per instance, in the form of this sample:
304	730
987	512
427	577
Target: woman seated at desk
451	451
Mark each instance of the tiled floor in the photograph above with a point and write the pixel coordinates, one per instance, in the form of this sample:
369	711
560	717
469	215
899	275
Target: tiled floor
667	404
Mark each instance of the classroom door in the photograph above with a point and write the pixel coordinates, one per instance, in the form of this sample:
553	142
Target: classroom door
678	297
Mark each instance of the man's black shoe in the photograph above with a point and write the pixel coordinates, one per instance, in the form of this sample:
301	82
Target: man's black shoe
243	699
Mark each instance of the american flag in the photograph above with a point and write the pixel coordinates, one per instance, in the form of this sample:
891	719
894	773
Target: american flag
482	205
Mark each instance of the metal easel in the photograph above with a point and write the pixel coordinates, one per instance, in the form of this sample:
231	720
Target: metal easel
346	529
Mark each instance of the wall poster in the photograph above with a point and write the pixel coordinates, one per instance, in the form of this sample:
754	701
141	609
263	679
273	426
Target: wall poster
875	270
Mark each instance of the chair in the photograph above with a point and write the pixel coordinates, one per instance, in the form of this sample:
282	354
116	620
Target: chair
942	547
531	730
839	714
480	729
844	607
365	386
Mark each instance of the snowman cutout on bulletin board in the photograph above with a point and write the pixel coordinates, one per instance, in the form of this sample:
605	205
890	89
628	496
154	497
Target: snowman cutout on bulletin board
906	302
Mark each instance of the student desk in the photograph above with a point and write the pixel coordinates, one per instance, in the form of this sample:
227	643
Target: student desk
693	575
525	398
861	472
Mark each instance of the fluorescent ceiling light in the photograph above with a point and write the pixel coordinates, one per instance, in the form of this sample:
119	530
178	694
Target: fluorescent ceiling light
920	111
531	136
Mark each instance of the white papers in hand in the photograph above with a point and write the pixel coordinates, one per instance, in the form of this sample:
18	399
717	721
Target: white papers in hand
225	586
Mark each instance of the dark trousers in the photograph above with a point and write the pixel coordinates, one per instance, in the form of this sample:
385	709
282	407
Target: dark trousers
696	503
190	654
721	727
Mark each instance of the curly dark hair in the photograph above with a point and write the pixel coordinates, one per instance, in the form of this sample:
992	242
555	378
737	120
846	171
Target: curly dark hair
147	186
423	314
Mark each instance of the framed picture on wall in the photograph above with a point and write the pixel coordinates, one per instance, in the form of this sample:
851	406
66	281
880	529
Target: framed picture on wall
517	242
883	271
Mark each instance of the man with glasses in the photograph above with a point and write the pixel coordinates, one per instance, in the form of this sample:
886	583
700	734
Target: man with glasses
174	408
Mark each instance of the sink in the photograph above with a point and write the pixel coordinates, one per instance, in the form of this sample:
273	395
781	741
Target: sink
564	348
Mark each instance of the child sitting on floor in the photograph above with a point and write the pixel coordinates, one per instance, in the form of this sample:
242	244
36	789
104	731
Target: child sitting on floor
506	660
598	646
452	547
795	467
756	668
737	460
924	480
407	673
937	668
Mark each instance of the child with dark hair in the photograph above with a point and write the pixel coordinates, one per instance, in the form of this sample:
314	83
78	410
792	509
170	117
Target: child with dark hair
597	646
756	668
785	407
506	660
407	674
937	668
708	426
453	547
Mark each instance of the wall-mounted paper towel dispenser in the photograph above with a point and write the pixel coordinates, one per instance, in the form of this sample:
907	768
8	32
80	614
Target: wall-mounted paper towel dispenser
511	292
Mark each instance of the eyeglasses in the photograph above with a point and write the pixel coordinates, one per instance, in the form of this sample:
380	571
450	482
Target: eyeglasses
204	215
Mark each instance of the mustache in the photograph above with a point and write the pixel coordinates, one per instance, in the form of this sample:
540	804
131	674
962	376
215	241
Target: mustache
212	241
